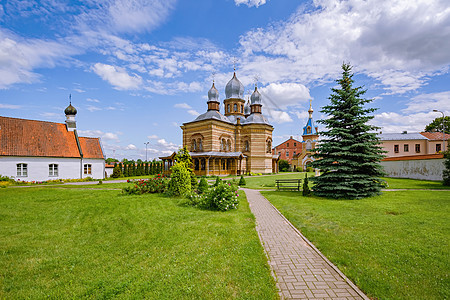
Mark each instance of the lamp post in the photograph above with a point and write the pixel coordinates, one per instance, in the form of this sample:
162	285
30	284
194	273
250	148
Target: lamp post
146	144
443	128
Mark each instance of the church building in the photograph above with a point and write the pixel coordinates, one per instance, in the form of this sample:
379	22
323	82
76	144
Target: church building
32	150
236	142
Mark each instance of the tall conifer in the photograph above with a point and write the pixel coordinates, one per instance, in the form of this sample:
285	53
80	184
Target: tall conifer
348	153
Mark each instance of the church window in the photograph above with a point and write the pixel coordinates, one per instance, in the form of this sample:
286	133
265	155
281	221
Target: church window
308	145
395	148
200	145
52	170
269	147
22	170
228	145
417	148
438	148
235	107
194	145
223	145
203	164
228	108
295	144
242	108
87	169
247	146
406	148
308	130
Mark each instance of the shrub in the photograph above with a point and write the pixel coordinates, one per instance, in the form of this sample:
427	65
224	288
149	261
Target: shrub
194	182
446	172
306	190
158	184
180	182
218	181
242	181
309	169
203	185
222	197
283	165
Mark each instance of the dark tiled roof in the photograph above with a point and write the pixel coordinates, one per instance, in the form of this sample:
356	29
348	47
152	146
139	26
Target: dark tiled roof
21	137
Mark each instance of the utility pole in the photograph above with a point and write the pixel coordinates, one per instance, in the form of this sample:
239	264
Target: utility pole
443	128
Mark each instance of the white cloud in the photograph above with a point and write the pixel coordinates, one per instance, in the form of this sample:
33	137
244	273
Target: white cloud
182	105
19	57
93	100
250	3
152	137
428	102
109	136
168	145
193	112
10	106
282	95
79	90
399	43
92	108
117	76
278	116
130	147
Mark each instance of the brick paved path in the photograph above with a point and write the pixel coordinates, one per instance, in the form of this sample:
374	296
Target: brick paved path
301	271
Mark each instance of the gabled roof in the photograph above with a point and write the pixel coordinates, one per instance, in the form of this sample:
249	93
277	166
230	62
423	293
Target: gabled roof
21	137
435	136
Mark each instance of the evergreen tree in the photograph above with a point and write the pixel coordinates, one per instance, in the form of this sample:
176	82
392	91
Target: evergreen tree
117	172
348	153
446	172
121	168
242	181
218	181
138	170
125	170
306	190
203	185
146	170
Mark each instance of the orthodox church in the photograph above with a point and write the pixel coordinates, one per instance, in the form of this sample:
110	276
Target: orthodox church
236	142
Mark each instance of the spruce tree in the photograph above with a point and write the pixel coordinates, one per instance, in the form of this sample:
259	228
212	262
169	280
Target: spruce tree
125	170
349	153
306	190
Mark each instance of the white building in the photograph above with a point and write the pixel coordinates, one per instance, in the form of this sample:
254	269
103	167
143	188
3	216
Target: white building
33	150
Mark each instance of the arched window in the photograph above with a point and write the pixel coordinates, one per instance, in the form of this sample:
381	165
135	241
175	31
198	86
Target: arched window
235	107
228	145
200	145
223	145
246	146
269	146
228	108
242	108
308	130
194	145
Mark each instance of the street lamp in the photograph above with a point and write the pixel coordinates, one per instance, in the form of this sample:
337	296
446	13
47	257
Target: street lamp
443	128
146	144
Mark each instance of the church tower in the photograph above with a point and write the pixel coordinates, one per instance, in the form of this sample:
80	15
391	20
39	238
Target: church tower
70	112
234	102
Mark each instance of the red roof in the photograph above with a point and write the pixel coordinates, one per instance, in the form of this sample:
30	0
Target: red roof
21	137
435	136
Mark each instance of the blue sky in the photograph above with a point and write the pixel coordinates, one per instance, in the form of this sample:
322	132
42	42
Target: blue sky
138	69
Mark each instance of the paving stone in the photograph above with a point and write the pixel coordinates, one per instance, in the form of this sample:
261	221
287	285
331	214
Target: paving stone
299	268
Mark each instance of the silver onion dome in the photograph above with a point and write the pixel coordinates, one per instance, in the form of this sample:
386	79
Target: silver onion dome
247	108
256	97
213	94
234	88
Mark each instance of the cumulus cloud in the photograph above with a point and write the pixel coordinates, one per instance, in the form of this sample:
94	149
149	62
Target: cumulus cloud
182	105
168	145
250	3
282	95
117	77
152	137
130	147
278	116
92	108
108	136
397	43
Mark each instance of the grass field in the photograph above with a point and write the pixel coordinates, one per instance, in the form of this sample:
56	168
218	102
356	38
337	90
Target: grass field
394	246
71	243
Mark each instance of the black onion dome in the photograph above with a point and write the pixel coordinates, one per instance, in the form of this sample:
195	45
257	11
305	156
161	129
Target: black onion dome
70	110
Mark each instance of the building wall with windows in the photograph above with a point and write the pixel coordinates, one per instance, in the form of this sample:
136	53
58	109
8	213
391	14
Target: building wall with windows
38	168
288	149
412	144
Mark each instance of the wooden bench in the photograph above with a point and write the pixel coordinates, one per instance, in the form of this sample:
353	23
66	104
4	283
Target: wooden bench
288	184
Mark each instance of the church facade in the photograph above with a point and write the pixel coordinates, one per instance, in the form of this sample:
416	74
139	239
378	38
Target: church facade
234	143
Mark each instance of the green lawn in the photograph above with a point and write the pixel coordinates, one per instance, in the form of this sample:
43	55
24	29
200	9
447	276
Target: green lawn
268	181
402	183
71	243
393	246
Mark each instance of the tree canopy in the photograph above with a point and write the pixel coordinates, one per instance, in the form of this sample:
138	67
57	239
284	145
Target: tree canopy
436	125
